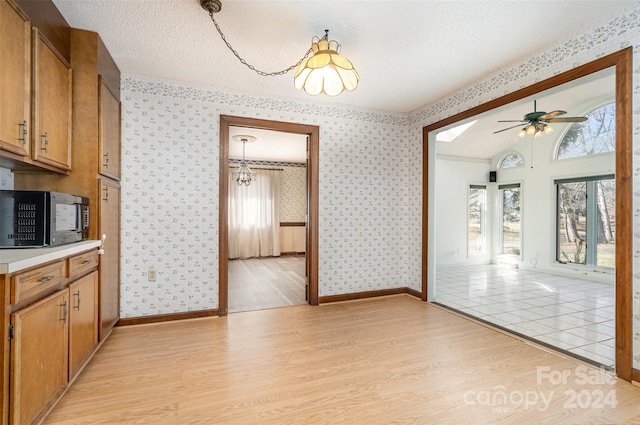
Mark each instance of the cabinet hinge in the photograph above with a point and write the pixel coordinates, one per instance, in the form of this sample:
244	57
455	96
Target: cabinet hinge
11	332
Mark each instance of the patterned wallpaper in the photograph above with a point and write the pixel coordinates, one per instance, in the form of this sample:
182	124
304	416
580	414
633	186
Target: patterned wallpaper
611	35
370	178
169	206
170	200
293	194
6	179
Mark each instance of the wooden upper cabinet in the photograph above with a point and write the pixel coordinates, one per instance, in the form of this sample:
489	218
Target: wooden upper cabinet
39	357
15	79
51	108
109	130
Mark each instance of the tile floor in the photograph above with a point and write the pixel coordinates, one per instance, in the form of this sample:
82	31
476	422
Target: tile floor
574	315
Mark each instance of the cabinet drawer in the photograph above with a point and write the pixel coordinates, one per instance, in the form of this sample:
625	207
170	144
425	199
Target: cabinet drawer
32	282
82	263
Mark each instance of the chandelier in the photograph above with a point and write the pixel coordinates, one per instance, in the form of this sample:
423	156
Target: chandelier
243	175
327	71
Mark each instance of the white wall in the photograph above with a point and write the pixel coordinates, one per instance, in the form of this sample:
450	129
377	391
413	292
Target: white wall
453	177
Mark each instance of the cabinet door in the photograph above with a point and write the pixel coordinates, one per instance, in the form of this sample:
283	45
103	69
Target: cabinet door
110	262
51	135
109	131
83	321
15	79
39	356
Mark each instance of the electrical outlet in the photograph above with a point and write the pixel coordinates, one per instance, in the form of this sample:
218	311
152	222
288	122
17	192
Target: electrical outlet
152	275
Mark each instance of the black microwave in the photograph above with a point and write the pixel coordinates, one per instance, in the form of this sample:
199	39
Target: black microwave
36	219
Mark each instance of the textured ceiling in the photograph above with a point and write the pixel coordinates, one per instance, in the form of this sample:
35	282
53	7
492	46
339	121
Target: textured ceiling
408	53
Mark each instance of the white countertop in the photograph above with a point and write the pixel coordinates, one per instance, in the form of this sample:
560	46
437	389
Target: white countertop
14	260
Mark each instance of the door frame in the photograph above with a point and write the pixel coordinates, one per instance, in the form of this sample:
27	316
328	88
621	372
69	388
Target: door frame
313	133
622	62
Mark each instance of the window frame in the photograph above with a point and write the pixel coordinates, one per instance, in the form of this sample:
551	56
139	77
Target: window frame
508	154
500	217
591	208
483	221
556	149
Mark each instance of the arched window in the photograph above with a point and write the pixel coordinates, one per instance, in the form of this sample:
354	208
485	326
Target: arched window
511	160
596	135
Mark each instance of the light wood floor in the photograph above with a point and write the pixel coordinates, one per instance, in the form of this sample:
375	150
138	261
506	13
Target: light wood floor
268	282
375	361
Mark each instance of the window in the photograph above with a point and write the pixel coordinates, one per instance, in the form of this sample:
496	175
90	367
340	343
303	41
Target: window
477	213
511	160
596	135
586	221
511	235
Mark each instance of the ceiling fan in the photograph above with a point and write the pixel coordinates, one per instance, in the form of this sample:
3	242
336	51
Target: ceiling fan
537	122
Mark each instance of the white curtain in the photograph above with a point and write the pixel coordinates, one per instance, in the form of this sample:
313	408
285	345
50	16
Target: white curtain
254	216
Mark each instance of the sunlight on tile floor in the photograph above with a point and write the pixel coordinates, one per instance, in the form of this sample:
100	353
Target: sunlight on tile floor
574	315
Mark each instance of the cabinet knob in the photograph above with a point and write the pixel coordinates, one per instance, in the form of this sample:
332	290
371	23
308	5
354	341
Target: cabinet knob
106	194
105	163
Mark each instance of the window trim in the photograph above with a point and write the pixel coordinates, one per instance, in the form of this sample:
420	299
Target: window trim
597	106
508	154
500	218
483	225
591	235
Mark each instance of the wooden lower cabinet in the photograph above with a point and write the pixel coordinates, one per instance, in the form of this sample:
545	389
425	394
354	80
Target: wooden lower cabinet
39	356
83	321
53	332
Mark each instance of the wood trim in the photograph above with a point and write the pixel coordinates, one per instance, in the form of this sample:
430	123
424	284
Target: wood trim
414	293
624	215
292	224
425	210
167	317
108	69
312	189
622	61
368	294
45	15
223	219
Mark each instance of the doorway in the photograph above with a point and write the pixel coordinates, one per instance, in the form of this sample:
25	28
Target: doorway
621	63
311	225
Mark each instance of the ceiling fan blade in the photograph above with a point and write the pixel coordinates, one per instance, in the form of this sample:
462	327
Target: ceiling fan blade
551	114
522	121
505	129
567	119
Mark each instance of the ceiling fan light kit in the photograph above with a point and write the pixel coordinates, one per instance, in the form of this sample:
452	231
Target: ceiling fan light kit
327	71
537	122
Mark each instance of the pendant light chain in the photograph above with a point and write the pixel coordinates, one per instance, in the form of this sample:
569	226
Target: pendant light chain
251	67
